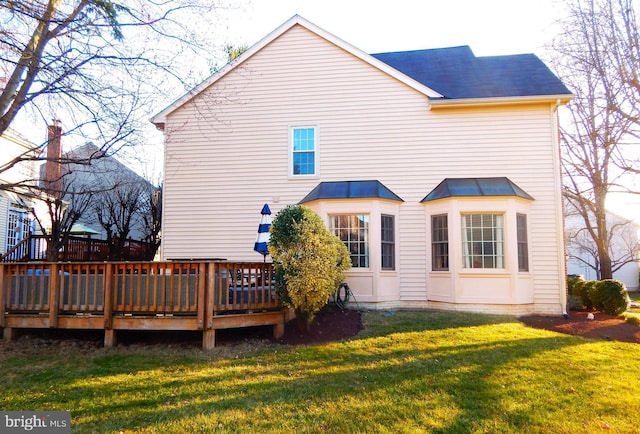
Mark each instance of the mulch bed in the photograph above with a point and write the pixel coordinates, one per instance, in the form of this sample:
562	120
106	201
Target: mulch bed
330	324
603	326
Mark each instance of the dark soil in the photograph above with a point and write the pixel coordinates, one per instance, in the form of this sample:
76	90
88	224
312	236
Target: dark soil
333	324
603	326
330	324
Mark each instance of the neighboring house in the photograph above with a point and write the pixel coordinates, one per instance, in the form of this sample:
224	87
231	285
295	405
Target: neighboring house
582	252
438	169
17	201
109	182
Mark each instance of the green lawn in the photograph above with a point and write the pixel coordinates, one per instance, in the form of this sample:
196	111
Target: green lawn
407	372
633	314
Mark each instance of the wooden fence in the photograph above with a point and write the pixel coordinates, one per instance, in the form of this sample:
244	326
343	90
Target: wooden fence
206	296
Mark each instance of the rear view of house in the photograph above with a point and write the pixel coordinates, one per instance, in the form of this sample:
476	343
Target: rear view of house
438	169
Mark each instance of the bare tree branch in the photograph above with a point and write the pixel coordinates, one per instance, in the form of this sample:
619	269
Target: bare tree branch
597	57
99	65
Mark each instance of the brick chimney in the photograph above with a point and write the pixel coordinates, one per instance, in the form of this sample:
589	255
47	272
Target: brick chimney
53	167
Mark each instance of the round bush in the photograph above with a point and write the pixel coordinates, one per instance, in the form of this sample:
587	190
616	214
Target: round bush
310	261
610	296
581	289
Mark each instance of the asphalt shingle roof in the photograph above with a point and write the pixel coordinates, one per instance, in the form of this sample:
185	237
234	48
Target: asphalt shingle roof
456	73
473	187
350	190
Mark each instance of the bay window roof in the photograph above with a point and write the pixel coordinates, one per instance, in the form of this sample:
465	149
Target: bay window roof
472	187
351	190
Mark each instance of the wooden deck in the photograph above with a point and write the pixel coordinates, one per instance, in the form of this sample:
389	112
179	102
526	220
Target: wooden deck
112	296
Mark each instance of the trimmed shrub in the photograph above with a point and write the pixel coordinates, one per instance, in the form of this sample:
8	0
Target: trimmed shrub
309	260
610	296
581	289
574	302
571	282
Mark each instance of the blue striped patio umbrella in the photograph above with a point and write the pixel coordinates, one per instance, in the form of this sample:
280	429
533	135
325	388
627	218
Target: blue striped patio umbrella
263	232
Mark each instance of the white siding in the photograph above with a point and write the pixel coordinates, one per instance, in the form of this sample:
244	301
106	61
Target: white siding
227	154
13	145
4	215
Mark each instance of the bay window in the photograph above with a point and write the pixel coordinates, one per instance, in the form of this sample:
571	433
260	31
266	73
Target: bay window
353	231
483	241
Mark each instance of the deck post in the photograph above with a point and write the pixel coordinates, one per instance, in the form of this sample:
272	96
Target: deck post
2	294
9	333
107	302
278	329
209	298
209	339
109	338
54	294
202	295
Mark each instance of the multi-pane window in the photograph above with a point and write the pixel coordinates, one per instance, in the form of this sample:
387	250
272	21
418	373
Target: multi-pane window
388	242
523	245
353	230
483	241
303	148
439	243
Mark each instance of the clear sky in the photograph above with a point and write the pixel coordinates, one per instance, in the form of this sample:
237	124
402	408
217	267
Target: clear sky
490	27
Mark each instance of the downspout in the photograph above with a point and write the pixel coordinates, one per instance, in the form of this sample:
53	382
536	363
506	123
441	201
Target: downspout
561	216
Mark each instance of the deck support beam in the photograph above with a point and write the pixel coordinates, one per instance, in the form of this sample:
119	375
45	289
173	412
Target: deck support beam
278	330
9	333
209	339
110	338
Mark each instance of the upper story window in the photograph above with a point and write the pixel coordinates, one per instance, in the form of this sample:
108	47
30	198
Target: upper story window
303	151
353	231
483	241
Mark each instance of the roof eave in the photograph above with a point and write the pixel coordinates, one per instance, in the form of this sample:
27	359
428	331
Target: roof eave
498	101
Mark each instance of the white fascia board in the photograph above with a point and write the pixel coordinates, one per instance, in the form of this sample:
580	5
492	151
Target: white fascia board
160	118
494	101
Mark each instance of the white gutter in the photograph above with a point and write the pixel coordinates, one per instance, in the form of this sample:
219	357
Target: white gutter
436	104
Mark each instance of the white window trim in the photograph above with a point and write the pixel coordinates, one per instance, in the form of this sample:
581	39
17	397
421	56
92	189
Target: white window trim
527	243
316	160
500	254
367	238
395	241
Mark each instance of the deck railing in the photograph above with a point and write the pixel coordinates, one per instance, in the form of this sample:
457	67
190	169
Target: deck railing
75	249
196	292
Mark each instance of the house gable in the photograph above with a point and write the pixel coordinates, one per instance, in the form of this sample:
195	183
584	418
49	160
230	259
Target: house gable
447	76
160	118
